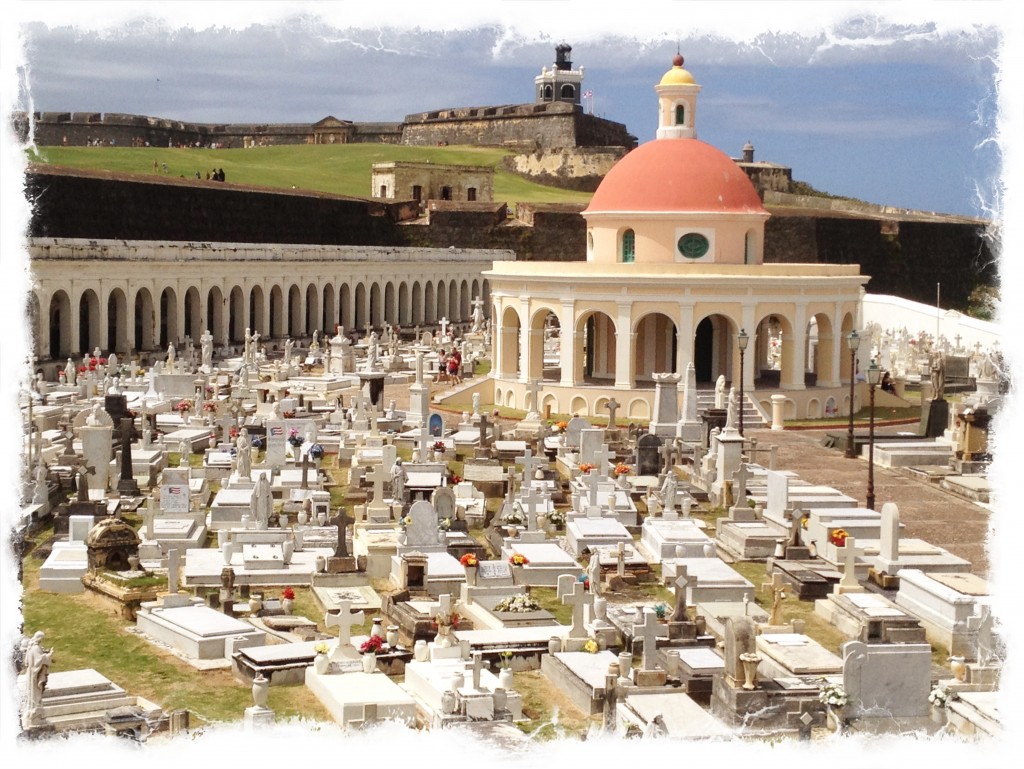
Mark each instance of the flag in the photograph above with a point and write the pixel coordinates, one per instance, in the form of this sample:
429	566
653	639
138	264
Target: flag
588	94
278	430
173	490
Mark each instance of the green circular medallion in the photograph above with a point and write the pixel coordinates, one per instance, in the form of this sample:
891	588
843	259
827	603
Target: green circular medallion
693	245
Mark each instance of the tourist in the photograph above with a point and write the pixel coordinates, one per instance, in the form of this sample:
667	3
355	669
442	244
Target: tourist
887	383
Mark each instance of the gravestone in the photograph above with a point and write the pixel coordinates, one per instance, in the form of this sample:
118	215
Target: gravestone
572	432
648	455
422	532
443	500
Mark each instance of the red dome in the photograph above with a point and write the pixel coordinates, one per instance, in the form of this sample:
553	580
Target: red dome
683	175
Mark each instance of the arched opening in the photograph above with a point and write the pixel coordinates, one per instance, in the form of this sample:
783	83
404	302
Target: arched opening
594	349
454	304
143	314
404	305
680	114
750	248
442	301
544	347
711	349
193	313
429	304
117	325
277	314
568	91
312	309
820	352
329	319
215	315
236	315
465	313
376	314
295	314
257	311
89	321
390	307
548	93
360	307
510	328
774	356
60	325
655	350
168	318
346	312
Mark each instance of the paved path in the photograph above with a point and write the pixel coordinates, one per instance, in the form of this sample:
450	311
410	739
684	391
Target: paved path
928	511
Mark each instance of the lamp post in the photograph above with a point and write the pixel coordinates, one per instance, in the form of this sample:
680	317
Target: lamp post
874	377
742	340
852	342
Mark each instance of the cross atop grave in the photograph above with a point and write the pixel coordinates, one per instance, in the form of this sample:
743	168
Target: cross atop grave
591	481
344	620
423	440
533	390
957	339
740	478
648	631
444	327
578	598
530	464
612	406
484	424
147	516
795	523
533	500
682	580
620	559
778	589
305	471
341	521
981	625
849	553
378	475
442	612
602	458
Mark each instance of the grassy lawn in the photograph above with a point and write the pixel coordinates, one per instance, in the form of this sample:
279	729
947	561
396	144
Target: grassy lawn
338	169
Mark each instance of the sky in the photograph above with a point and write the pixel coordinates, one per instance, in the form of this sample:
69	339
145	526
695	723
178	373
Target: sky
891	108
908	104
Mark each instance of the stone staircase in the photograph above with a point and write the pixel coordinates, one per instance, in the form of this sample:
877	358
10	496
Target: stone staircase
752	418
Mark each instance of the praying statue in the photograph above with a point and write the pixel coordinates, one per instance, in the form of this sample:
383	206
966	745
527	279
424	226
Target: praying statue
37	671
243	449
398	478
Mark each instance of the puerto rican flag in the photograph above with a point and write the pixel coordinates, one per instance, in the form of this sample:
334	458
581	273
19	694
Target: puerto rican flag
588	94
277	430
175	490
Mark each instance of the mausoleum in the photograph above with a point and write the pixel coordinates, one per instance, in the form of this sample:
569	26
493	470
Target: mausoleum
674	271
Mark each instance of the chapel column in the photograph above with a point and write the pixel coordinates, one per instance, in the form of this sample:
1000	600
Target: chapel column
624	342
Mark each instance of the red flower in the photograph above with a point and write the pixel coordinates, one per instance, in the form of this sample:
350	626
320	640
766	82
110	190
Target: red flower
518	559
288	593
469	559
372	645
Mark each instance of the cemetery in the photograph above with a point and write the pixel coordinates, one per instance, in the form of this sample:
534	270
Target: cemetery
324	530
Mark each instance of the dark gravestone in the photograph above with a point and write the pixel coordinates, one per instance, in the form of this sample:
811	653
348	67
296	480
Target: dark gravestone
435	426
713	418
934	418
648	455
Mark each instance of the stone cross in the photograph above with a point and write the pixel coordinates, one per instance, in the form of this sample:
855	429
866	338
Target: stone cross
620	559
423	440
682	580
578	598
305	471
441	612
530	464
849	554
533	389
533	501
778	588
591	481
649	632
341	521
147	516
483	431
889	535
444	327
378	475
612	406
740	478
602	458
343	620
981	625
173	570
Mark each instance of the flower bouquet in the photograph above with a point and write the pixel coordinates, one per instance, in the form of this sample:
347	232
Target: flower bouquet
288	593
590	647
316	451
372	645
621	469
556	517
838	537
586	467
294	438
515	516
518	559
469	559
321	648
445	525
183	406
833	695
940	696
517	604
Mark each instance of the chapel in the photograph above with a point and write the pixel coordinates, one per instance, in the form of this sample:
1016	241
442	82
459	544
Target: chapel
674	273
